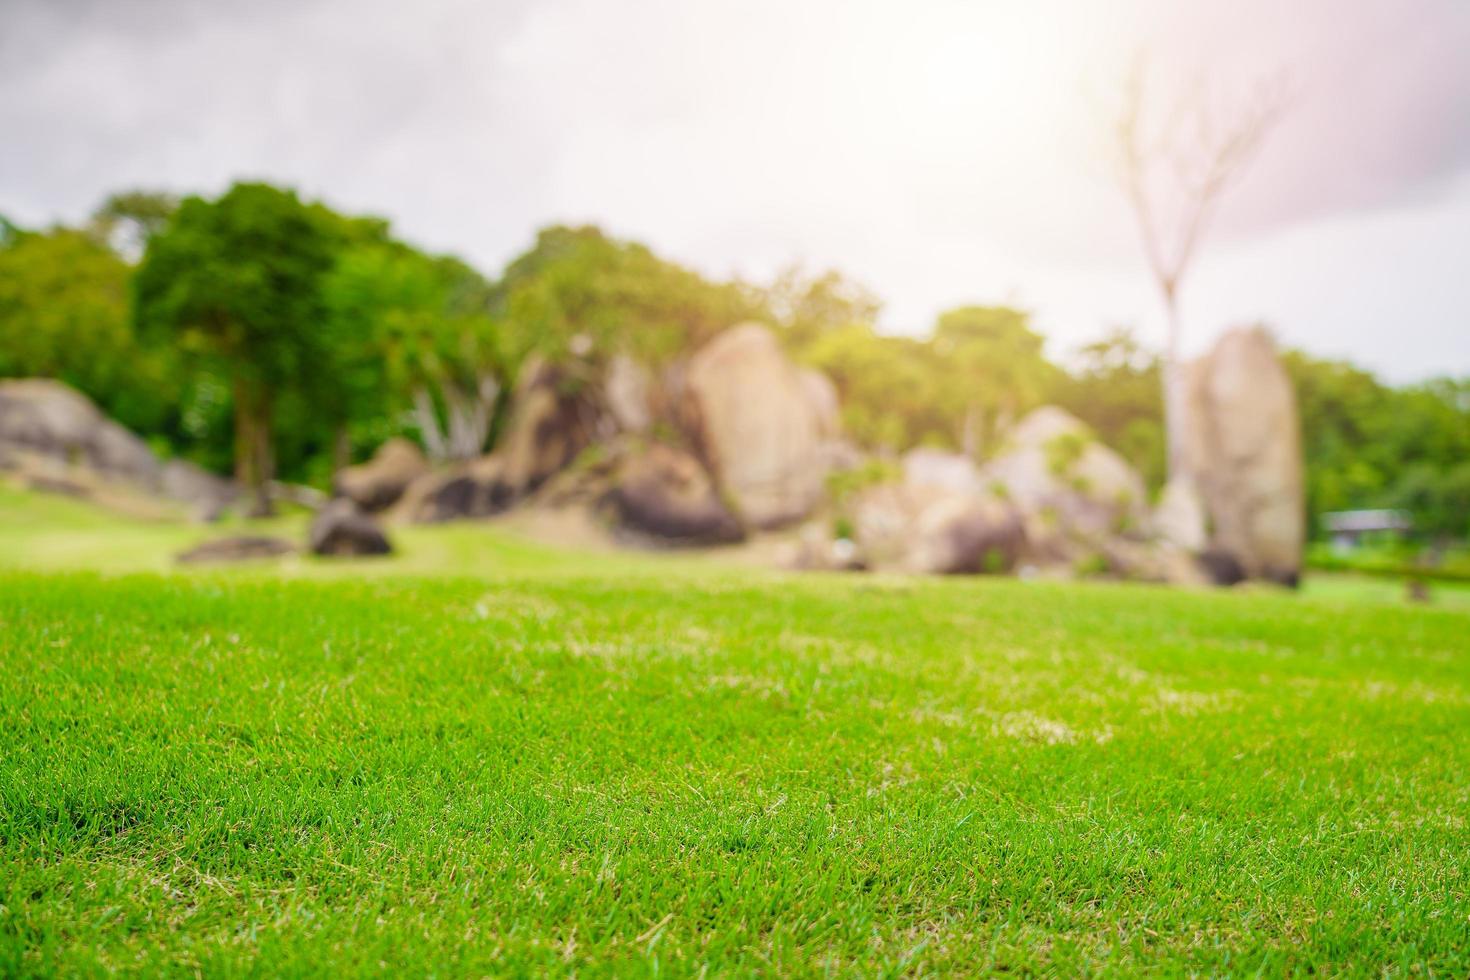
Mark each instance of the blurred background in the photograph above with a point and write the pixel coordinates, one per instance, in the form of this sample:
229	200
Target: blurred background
268	239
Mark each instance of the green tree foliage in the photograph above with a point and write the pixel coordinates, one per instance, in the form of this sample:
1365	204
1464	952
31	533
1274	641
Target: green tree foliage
989	369
1439	499
1115	388
1369	445
414	330
64	315
321	334
806	307
957	388
237	282
885	384
128	219
578	292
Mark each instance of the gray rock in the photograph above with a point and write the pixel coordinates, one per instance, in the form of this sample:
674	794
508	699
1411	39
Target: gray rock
920	527
940	470
755	420
552	420
666	494
1066	484
51	419
241	548
378	483
964	534
469	490
1243	444
340	529
627	389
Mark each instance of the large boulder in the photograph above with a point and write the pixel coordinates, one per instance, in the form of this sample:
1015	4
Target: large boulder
923	527
1179	518
341	529
50	419
966	534
826	404
381	481
1243	449
473	489
755	421
552	420
941	470
1071	489
627	389
666	494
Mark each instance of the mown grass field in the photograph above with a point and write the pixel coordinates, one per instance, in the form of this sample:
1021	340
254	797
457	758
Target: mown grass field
549	762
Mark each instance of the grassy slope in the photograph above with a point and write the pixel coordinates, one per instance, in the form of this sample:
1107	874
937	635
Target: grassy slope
626	765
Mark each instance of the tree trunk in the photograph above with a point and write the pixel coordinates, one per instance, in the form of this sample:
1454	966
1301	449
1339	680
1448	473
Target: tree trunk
254	465
970	432
1173	377
341	448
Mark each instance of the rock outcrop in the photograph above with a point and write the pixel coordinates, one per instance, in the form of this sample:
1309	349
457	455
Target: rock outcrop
966	534
627	388
1072	490
666	494
921	524
340	529
936	469
378	483
53	420
825	403
60	442
466	490
1243	445
756	422
1179	518
551	421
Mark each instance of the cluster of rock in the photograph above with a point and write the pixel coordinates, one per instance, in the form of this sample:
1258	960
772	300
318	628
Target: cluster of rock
1057	500
736	439
1054	498
733	439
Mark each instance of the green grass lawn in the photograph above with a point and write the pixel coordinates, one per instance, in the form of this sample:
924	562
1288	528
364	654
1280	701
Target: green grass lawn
550	762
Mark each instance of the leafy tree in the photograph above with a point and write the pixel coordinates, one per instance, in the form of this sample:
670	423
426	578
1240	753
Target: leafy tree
1369	445
64	315
990	369
238	283
128	219
1114	387
578	292
10	232
806	307
414	330
1439	499
886	385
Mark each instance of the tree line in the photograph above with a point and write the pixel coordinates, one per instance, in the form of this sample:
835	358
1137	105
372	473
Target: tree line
266	336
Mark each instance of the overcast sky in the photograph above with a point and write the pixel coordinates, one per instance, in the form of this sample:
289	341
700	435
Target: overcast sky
939	151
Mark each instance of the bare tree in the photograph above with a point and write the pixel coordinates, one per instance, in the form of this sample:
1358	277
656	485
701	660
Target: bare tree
1175	165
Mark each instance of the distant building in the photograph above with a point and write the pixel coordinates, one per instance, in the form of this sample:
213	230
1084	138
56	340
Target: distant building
1348	527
